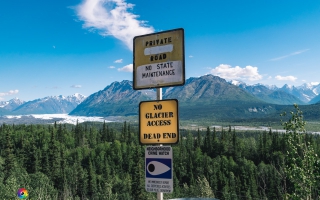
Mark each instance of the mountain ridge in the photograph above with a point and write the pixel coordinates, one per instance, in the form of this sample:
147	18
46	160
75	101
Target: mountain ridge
302	94
205	96
206	91
50	105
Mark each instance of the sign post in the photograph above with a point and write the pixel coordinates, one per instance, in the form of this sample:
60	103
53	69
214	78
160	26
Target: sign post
159	61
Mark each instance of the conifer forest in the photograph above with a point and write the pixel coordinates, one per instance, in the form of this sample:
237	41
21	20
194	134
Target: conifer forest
106	161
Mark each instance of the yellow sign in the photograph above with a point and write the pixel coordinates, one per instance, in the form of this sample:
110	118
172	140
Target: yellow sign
158	59
159	122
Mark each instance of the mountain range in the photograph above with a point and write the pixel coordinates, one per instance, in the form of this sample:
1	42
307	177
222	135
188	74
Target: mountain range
46	105
206	92
11	104
304	94
201	97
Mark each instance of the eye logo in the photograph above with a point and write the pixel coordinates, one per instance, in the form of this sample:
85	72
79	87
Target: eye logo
156	168
22	193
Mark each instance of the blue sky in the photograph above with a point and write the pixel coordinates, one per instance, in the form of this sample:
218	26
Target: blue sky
57	47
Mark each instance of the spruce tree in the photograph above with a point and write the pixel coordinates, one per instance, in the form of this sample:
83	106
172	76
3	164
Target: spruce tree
9	158
138	180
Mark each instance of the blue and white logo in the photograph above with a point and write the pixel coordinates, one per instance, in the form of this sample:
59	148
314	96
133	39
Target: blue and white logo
159	168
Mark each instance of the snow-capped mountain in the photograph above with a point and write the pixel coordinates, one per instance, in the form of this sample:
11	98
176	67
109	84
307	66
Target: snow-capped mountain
272	87
269	94
76	98
50	105
237	82
11	104
243	85
305	93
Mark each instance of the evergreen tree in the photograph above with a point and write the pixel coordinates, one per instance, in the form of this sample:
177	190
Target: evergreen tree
92	181
198	141
207	142
9	159
54	160
138	179
124	132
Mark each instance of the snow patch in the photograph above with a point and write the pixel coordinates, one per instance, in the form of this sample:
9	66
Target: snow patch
234	82
4	104
307	97
70	119
272	87
237	82
65	118
13	116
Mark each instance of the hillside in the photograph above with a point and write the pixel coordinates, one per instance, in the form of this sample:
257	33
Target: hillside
315	100
211	90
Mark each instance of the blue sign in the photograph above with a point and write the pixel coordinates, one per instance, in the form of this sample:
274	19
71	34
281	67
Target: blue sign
159	168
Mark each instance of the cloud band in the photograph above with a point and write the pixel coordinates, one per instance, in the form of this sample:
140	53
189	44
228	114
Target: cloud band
111	17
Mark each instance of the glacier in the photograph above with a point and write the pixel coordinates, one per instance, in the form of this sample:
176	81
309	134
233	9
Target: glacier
61	118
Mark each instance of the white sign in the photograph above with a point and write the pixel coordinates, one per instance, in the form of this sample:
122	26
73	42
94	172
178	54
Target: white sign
158	168
158	60
160	73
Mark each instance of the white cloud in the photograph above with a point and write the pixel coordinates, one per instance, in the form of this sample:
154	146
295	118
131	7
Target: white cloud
127	68
315	83
291	54
226	71
270	77
118	61
286	78
111	17
191	56
112	67
76	86
11	92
